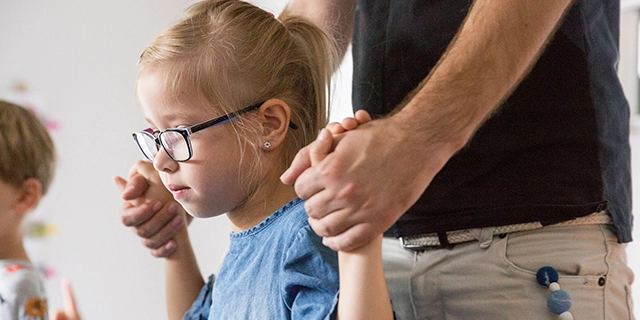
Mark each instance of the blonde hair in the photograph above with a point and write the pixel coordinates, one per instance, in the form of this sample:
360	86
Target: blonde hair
235	54
27	149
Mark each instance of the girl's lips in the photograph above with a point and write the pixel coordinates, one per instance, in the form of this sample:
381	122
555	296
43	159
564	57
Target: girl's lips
178	191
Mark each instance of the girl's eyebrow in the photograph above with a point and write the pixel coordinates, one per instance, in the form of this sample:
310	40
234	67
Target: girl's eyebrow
166	118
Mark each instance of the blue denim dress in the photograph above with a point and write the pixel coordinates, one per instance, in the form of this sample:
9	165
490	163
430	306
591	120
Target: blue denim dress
278	269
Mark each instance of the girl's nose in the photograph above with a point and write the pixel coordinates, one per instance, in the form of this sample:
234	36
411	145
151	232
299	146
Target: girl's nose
163	163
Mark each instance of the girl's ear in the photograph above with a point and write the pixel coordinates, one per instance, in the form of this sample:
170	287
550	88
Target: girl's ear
29	195
275	115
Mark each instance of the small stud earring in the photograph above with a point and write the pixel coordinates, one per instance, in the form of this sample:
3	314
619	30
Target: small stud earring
267	145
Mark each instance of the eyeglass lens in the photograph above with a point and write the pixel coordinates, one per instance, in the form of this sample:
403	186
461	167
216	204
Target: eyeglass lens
173	141
147	144
175	144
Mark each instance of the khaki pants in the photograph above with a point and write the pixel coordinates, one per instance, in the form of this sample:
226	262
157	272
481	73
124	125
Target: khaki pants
498	281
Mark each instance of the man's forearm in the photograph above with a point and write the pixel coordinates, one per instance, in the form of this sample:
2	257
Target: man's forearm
494	49
335	17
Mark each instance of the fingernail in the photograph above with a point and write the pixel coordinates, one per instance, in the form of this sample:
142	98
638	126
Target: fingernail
169	245
324	134
156	206
284	175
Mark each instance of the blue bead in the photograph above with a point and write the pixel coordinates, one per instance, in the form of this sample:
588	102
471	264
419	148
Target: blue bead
559	301
546	275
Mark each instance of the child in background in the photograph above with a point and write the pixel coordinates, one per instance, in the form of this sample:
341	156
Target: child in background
231	94
27	166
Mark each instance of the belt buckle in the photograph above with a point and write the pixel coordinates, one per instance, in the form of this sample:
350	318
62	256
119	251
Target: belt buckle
406	244
410	246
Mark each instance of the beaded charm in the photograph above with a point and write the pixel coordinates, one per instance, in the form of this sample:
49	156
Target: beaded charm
559	301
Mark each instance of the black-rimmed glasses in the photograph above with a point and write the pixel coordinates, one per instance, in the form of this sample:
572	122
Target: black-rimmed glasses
176	142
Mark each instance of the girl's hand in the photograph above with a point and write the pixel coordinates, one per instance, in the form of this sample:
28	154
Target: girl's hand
323	145
360	117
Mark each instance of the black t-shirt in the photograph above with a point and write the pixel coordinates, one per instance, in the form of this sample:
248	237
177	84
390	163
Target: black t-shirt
558	147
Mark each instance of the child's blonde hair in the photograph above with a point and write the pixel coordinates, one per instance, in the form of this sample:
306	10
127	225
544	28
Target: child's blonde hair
235	54
26	149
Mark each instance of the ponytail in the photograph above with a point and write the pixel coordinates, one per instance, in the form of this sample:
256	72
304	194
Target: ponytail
322	57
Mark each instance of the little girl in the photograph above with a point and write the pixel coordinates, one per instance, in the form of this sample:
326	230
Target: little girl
231	94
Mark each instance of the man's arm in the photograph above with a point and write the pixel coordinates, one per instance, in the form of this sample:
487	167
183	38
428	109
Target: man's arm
496	46
378	171
335	17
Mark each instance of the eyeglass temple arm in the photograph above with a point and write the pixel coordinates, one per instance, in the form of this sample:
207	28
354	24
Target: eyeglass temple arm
232	115
225	117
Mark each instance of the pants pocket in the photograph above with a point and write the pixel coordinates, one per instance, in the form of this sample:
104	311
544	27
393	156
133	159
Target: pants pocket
590	263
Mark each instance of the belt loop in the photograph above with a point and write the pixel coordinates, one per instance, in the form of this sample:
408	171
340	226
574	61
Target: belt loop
444	242
483	235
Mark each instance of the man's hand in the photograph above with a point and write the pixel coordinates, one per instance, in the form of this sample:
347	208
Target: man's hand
150	209
358	183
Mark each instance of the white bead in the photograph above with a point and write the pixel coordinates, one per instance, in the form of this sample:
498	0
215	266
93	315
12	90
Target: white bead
554	286
565	316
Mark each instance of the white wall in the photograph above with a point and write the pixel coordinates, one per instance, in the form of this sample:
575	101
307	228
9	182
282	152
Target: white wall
80	58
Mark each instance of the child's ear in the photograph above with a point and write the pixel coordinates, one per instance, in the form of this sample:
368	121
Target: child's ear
29	195
275	115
